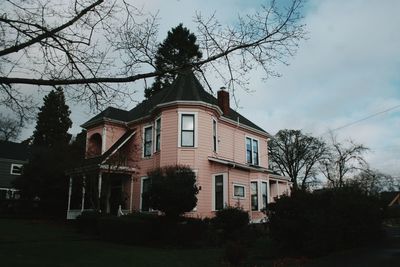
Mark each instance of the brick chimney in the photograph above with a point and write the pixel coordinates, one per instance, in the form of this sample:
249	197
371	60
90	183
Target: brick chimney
223	100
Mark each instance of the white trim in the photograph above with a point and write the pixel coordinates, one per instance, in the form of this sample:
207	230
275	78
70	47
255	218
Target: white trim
141	192
123	143
259	182
225	189
233	191
144	139
69	194
155	133
17	166
258	149
195	113
213	119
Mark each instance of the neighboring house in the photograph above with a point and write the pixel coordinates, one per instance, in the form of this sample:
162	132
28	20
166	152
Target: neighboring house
12	157
182	124
391	199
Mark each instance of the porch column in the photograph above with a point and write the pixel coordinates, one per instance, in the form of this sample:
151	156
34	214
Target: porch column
83	192
131	199
268	192
69	194
99	186
277	189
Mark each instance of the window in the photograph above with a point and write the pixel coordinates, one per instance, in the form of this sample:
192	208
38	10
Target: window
252	151
187	130
144	206
158	134
238	191
264	194
147	145
16	169
254	195
214	128
220	192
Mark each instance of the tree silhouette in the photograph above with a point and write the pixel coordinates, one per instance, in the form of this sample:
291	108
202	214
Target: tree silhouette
178	50
53	121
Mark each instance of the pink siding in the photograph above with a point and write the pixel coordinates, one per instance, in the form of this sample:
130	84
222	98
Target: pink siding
231	146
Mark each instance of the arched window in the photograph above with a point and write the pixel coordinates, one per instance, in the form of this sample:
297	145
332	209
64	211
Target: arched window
94	145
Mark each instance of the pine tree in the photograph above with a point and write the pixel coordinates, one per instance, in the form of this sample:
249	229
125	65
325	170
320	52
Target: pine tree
53	121
179	49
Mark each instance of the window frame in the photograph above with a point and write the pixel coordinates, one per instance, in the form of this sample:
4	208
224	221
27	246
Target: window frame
244	191
16	165
157	134
215	135
144	155
257	195
252	158
142	179
260	204
224	190
195	130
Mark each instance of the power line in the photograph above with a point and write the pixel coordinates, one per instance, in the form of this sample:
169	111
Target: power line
363	119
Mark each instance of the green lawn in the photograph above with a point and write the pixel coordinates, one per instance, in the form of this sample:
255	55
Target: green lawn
36	243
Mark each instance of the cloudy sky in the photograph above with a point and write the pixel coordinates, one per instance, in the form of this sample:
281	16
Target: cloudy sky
347	70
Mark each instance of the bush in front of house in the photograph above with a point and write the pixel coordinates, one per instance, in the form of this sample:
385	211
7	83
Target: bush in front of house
172	190
231	222
315	224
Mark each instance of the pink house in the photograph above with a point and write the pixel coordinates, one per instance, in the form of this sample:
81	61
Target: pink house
182	124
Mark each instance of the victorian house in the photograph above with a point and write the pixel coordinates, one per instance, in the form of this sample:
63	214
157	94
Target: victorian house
181	124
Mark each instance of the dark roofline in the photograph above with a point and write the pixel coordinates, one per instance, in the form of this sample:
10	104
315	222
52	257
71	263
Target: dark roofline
177	92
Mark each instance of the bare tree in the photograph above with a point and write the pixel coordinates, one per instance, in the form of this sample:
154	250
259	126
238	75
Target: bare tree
342	161
95	47
296	155
374	181
9	128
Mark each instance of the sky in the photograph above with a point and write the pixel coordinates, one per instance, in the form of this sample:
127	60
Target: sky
346	70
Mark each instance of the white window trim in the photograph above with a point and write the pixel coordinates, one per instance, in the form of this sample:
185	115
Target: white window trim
225	185
141	192
233	191
180	113
259	193
144	139
216	134
258	149
155	133
15	165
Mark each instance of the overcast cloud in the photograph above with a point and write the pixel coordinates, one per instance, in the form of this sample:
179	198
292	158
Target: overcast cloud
346	70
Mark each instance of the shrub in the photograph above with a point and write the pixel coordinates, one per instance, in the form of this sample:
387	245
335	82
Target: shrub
172	190
231	221
318	223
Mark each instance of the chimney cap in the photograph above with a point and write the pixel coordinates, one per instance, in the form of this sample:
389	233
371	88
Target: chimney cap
222	88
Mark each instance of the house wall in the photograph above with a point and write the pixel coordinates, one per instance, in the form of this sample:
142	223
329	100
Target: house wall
231	146
6	178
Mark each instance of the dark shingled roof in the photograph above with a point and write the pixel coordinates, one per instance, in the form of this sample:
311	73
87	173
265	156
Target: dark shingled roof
11	150
186	87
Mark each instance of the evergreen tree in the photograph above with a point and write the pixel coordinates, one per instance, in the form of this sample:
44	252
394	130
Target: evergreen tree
44	176
179	49
53	121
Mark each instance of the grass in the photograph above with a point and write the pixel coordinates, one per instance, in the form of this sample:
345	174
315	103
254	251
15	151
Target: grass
38	243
